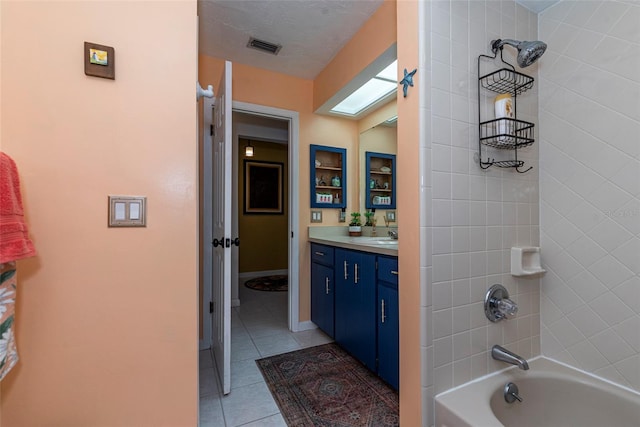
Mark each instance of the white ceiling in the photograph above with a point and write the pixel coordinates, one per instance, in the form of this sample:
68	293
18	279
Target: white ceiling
311	32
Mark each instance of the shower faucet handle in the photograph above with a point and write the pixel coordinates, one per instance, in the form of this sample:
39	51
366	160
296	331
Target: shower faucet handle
497	305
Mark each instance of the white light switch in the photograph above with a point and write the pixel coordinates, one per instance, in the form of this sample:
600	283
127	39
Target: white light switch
120	211
134	210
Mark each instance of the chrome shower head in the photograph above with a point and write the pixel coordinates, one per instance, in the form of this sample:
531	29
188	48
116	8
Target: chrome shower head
528	52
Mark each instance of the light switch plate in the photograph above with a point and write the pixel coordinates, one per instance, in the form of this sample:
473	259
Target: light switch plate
391	216
316	216
127	211
342	216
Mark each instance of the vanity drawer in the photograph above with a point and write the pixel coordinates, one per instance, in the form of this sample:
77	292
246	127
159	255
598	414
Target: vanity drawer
388	269
322	254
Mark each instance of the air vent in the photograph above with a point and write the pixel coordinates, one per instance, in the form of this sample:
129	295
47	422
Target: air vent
264	46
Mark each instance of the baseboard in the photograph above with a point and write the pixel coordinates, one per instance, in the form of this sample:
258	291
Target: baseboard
235	303
248	274
307	325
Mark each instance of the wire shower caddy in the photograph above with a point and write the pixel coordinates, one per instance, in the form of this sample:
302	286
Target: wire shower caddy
504	133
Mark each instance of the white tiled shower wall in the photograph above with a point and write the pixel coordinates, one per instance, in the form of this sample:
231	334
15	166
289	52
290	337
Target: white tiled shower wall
590	187
471	217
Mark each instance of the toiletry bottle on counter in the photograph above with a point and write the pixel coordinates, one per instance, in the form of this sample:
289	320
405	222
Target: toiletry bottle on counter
504	109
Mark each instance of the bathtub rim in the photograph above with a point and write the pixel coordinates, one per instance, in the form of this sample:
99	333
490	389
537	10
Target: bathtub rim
477	397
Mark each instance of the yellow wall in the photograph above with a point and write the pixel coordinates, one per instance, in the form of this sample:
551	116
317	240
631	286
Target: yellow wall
106	317
264	238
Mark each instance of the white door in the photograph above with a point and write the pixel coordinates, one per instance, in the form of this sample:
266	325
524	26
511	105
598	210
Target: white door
221	319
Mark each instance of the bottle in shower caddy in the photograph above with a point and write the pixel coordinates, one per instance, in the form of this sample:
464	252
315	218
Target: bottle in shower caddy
504	109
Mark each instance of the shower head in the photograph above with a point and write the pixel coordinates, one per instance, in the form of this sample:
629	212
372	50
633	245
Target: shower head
528	52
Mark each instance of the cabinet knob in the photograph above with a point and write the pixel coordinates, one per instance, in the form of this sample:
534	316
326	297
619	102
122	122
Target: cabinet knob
395	273
326	285
346	274
319	253
355	280
382	315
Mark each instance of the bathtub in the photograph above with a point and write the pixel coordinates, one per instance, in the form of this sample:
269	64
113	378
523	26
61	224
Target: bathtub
553	395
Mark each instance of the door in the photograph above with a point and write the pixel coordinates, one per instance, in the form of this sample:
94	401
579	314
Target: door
221	283
355	304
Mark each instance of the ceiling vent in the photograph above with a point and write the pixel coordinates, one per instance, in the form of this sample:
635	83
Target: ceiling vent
264	46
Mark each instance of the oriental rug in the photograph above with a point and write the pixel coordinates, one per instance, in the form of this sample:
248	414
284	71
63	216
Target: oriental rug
275	283
324	386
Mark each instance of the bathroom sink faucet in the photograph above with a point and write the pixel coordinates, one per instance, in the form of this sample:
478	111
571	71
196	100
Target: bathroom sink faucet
504	355
393	234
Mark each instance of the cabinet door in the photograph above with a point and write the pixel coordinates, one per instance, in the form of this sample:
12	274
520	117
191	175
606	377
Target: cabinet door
355	298
322	304
388	334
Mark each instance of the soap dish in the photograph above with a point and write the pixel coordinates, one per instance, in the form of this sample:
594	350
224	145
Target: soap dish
525	261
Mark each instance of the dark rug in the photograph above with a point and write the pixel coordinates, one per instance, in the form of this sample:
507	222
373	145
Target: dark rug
324	386
277	283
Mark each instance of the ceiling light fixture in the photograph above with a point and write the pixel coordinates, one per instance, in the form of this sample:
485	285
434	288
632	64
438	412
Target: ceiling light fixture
248	150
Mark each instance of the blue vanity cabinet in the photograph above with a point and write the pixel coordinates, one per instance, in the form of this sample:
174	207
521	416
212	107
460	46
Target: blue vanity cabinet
328	178
322	288
388	346
381	180
355	304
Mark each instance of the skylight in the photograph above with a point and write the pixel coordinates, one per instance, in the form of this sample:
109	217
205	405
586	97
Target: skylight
373	91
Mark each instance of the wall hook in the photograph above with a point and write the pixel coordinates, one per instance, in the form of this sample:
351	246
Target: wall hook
407	81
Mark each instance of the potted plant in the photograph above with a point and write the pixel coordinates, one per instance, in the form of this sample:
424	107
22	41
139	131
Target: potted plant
355	226
369	219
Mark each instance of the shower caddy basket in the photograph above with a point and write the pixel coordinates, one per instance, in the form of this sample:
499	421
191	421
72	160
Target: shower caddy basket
503	133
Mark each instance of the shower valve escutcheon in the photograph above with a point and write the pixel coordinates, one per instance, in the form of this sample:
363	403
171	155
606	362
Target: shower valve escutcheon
497	305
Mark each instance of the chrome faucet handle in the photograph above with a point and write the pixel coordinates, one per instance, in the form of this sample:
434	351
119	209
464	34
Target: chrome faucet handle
497	305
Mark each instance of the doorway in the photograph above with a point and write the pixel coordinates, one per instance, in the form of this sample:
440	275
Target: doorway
259	112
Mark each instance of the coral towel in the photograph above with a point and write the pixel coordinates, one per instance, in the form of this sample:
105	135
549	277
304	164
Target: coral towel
14	239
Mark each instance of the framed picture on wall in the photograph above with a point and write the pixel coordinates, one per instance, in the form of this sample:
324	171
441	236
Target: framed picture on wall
263	187
99	61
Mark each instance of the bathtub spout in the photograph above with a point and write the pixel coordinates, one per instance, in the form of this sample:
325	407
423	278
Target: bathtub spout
504	355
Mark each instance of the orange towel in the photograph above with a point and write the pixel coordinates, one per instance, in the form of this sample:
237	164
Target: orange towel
14	239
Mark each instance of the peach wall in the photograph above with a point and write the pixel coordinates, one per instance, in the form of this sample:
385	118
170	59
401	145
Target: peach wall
106	318
263	87
409	223
371	40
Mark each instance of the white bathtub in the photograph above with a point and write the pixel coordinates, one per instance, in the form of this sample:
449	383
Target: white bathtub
553	396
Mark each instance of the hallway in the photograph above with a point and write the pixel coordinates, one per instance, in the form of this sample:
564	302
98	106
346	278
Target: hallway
258	329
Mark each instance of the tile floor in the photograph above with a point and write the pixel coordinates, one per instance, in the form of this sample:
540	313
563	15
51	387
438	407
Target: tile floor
258	329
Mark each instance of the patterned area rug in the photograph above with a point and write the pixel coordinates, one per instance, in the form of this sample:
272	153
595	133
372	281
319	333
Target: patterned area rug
324	386
277	283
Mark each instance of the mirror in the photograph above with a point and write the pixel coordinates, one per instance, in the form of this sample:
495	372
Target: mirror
378	133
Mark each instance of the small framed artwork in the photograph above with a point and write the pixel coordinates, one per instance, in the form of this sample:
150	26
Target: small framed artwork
99	61
263	187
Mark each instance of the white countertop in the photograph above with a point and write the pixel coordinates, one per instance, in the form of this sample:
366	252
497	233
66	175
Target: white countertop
338	237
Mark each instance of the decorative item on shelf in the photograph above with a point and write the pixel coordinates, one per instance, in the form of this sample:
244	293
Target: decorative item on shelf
381	200
372	183
355	226
335	181
324	198
385	169
318	163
